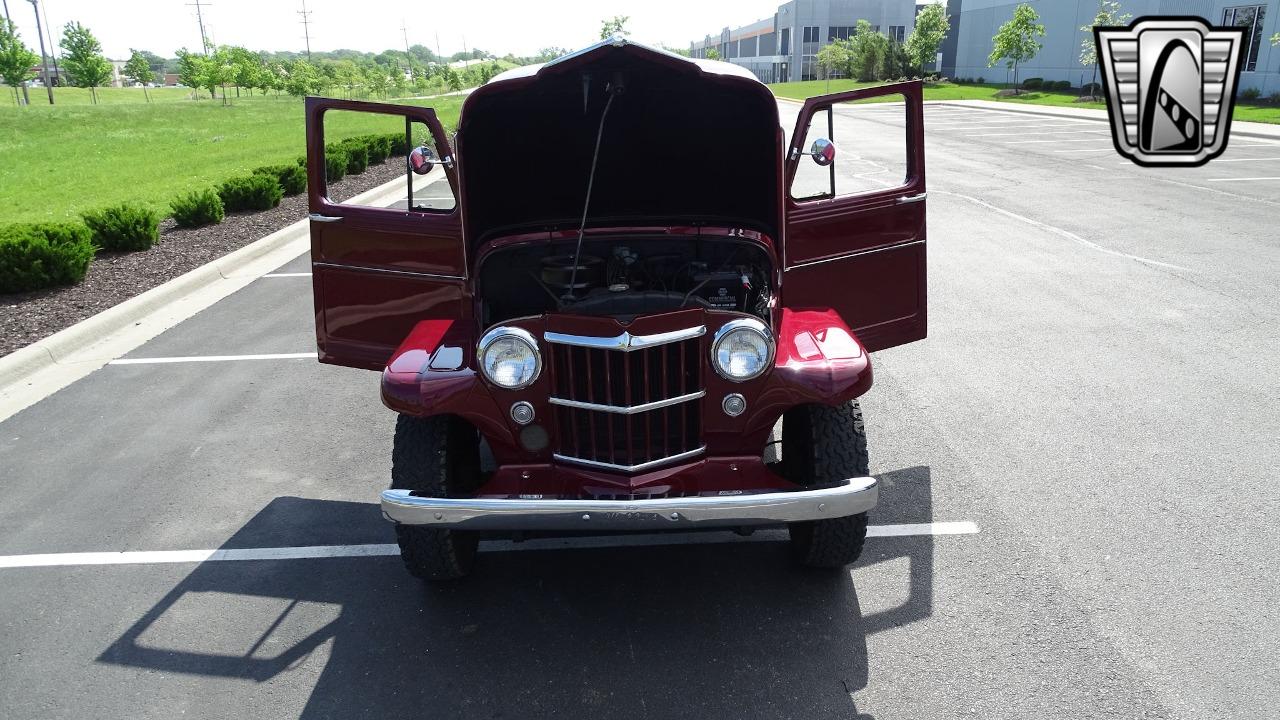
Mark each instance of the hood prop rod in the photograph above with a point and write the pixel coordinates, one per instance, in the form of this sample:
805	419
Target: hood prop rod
615	88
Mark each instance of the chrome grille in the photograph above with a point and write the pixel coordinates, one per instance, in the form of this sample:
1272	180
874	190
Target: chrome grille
627	403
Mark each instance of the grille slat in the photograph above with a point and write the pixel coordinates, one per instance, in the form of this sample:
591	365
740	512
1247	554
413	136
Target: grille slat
620	382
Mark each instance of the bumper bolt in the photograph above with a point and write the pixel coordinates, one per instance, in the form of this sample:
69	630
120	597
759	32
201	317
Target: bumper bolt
439	516
586	516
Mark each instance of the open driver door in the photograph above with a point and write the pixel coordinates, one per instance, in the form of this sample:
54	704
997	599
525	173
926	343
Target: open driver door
855	212
389	258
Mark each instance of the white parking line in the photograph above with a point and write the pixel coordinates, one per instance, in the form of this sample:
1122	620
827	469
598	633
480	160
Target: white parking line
1086	150
1046	132
1251	179
1062	140
287	275
1262	159
210	358
162	557
1061	232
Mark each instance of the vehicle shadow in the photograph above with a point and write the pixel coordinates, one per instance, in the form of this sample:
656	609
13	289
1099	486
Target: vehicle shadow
708	630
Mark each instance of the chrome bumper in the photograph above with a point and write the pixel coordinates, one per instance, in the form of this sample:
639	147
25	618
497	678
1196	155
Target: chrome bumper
853	496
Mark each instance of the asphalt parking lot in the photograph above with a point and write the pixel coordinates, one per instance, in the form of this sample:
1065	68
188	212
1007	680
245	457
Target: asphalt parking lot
1097	398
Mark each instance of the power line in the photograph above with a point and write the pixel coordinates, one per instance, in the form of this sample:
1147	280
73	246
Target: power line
204	39
306	27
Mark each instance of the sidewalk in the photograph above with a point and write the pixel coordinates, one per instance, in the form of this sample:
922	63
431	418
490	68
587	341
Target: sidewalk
1241	129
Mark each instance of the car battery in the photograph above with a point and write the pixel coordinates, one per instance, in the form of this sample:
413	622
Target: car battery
723	290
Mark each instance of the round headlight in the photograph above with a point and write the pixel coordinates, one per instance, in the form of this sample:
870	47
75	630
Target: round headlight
509	358
742	349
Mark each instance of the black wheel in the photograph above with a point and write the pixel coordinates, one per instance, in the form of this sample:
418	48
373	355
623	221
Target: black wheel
822	444
435	457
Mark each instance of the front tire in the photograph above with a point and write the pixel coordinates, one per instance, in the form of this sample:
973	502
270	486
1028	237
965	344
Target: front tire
435	457
823	444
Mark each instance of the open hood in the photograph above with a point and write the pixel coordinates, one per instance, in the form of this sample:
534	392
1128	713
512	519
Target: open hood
685	142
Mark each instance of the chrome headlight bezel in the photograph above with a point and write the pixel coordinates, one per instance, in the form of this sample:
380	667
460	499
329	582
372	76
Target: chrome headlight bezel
749	325
518	334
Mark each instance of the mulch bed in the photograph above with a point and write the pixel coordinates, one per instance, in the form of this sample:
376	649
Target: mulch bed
116	277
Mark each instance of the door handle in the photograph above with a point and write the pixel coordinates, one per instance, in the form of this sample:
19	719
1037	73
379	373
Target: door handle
906	199
317	217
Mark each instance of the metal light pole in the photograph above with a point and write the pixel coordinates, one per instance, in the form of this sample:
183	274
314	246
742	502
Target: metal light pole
44	60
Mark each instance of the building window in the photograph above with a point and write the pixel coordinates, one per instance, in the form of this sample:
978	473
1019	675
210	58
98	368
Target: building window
840	32
811	34
1250	18
897	32
784	46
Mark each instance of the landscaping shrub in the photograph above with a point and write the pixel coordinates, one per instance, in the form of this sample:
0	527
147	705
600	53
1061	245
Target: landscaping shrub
1033	83
292	179
34	256
357	156
397	144
1059	85
124	227
981	81
302	161
251	192
378	146
200	207
1091	89
1274	98
1250	94
335	162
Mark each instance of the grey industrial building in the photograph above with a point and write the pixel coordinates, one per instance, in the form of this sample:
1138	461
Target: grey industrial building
783	47
974	22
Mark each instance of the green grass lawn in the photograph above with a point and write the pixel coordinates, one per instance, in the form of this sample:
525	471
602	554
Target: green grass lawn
71	157
951	91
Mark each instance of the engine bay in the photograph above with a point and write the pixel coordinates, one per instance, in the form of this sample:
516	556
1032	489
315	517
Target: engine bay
625	277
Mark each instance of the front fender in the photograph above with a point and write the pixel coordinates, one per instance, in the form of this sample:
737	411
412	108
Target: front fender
820	356
431	374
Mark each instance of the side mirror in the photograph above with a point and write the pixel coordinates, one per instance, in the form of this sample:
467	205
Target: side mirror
823	152
421	160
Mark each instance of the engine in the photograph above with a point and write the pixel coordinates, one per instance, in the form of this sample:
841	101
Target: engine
626	278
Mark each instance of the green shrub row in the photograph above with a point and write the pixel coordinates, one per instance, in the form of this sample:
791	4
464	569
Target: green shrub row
40	255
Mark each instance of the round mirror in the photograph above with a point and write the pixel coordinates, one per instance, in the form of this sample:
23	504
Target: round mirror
823	151
422	159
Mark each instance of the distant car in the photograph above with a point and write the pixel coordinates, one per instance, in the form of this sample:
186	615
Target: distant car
621	307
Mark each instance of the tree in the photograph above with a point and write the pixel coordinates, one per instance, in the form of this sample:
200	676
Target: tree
82	56
301	78
932	26
833	58
16	60
713	54
1109	15
191	71
1015	42
218	71
868	51
139	71
616	25
157	63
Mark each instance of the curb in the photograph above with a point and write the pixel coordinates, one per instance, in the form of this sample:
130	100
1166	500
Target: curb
36	371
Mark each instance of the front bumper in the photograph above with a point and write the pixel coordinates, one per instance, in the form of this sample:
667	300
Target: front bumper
851	497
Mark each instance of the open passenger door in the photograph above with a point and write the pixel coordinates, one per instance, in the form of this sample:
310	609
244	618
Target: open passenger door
388	258
855	225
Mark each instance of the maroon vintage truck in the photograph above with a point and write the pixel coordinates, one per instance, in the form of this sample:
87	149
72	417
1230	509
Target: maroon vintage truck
618	298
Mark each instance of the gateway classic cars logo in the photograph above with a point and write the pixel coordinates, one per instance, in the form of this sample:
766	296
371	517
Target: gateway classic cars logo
1170	85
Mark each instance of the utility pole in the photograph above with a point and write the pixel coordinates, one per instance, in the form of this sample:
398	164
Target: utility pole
438	55
204	39
53	47
408	56
44	60
306	27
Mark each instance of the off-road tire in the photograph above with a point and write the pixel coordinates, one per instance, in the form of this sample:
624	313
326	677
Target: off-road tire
823	444
435	457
